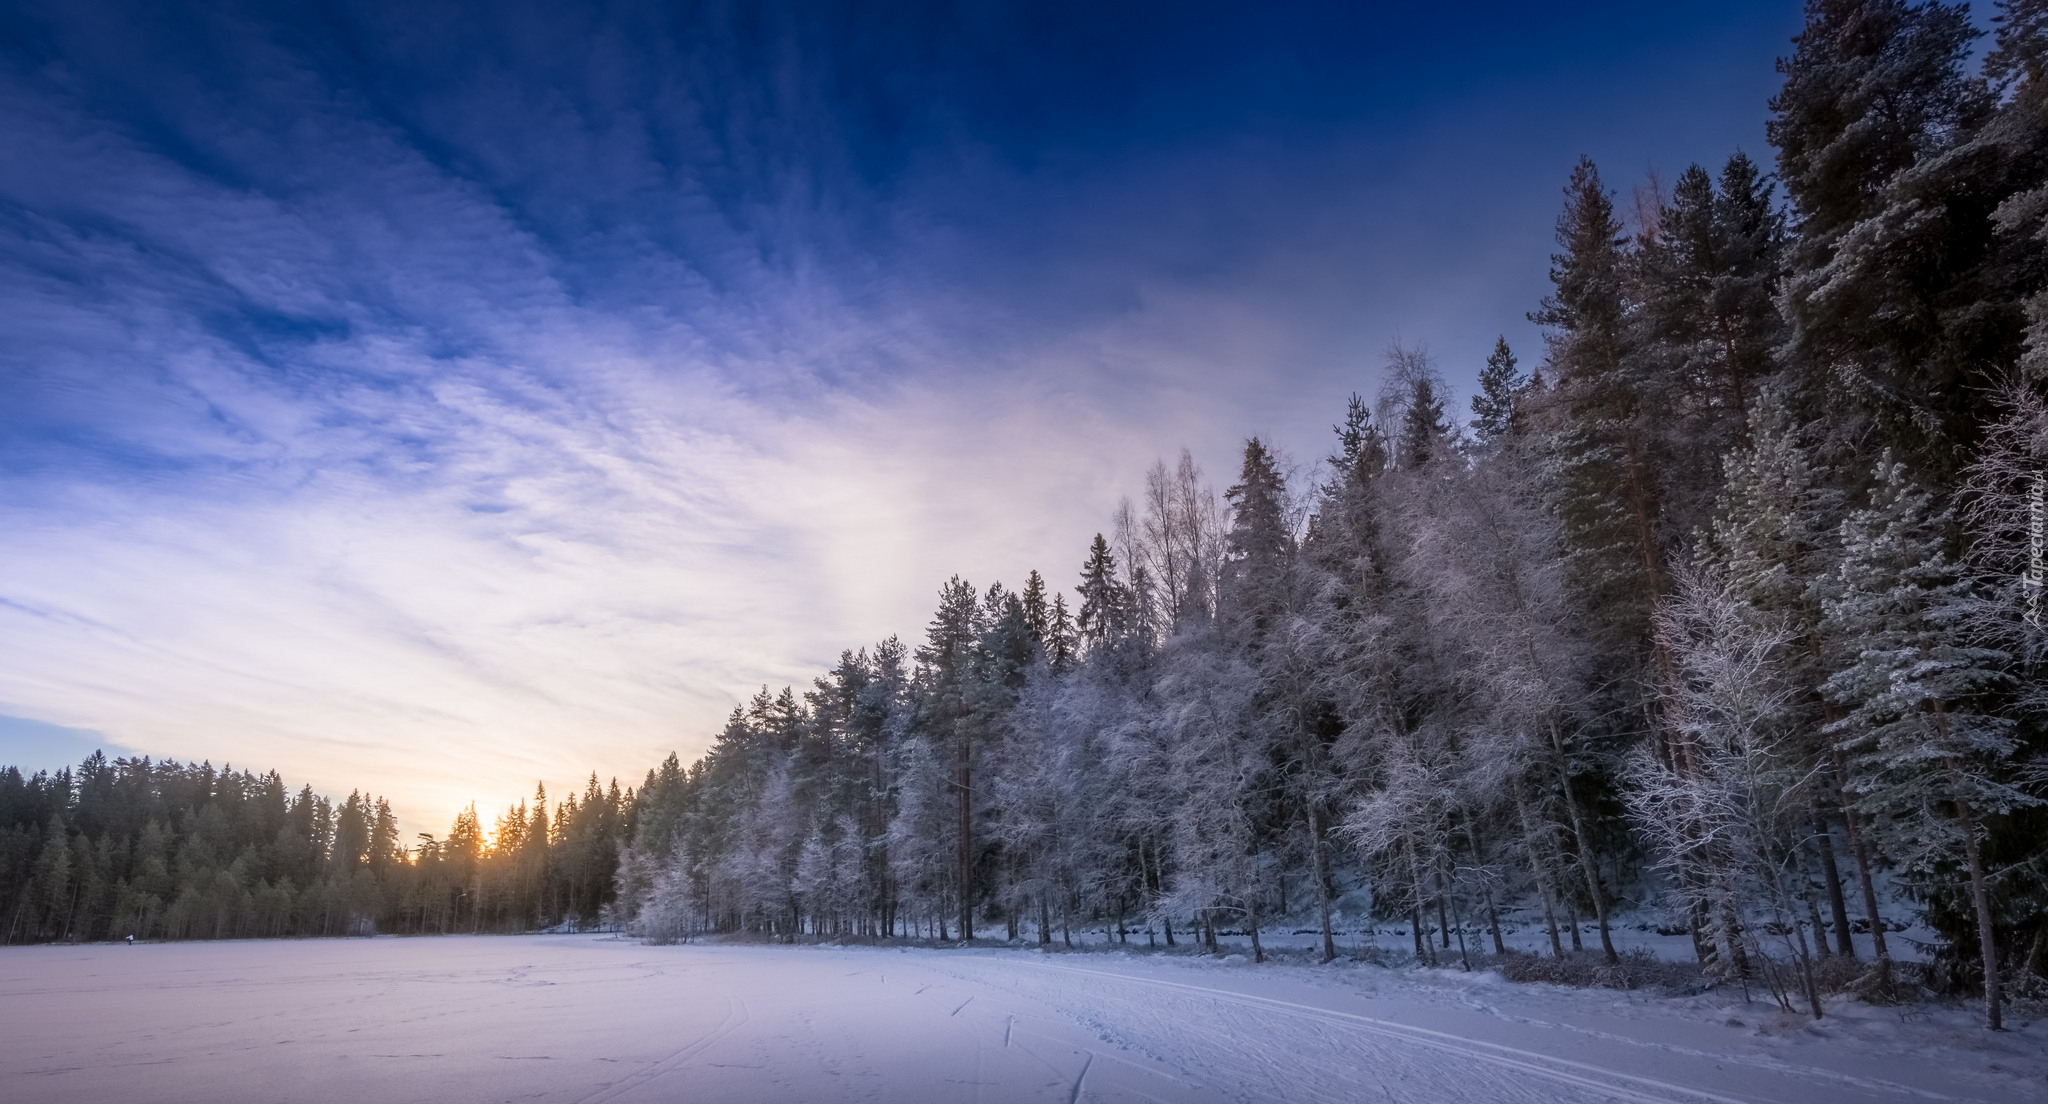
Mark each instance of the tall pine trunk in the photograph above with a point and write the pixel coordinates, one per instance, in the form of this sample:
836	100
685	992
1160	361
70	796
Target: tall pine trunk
1831	874
1585	848
964	779
1980	898
1859	849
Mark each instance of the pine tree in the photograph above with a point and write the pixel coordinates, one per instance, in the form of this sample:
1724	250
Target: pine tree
1037	615
1602	461
1104	599
2018	64
1704	276
1905	301
1259	542
1424	432
1775	542
1928	758
1345	539
1062	638
1501	387
950	659
1871	87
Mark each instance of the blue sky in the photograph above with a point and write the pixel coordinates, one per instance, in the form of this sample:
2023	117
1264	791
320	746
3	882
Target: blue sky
433	399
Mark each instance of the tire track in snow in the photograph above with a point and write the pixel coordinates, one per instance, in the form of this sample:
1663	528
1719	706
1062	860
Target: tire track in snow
1612	1084
735	1015
1763	1062
1055	1051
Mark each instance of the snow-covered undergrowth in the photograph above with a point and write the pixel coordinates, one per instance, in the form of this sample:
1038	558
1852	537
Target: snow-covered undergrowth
583	1018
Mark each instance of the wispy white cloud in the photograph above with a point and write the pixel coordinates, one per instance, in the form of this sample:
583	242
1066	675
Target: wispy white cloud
510	413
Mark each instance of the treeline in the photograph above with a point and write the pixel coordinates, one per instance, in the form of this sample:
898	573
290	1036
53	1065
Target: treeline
1729	613
163	850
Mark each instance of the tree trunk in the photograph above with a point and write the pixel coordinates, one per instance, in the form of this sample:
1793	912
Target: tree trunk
1980	898
1464	957
1820	931
1443	919
1316	871
1585	846
1837	904
1860	851
1540	871
1422	952
1493	923
966	879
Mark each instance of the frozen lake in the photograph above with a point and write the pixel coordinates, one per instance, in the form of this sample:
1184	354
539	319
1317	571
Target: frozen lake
586	1019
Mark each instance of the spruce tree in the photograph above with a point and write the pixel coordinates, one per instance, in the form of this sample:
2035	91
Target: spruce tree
1424	432
1775	542
1905	301
1704	276
1601	444
1104	599
1062	641
1928	757
2018	65
1037	615
1259	542
1501	387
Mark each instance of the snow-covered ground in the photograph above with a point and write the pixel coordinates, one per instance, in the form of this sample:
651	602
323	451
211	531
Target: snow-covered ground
589	1018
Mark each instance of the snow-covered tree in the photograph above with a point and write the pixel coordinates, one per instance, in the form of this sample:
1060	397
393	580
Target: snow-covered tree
1929	758
1774	542
1501	387
1727	809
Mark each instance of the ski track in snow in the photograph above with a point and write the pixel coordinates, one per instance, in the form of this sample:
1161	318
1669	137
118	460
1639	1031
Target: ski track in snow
588	1020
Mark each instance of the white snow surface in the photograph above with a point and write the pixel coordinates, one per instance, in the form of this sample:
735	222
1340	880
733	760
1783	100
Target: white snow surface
579	1018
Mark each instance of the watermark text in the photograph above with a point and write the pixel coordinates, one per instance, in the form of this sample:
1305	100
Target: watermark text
2037	527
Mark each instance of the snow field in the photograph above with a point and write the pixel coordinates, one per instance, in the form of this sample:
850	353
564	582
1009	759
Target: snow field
586	1019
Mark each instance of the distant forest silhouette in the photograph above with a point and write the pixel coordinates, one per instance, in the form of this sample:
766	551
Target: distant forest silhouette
165	850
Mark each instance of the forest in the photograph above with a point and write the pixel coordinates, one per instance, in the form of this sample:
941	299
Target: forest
163	850
1726	612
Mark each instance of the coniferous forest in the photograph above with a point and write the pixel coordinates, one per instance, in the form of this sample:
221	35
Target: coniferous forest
173	851
1721	611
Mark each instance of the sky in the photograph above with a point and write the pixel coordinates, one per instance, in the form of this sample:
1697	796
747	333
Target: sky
436	399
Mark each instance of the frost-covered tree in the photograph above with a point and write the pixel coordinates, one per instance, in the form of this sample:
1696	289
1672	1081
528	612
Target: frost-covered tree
1501	387
1929	759
1775	543
1726	814
1905	298
1513	669
1181	546
1105	601
1598	419
1461	677
1705	324
1223	787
